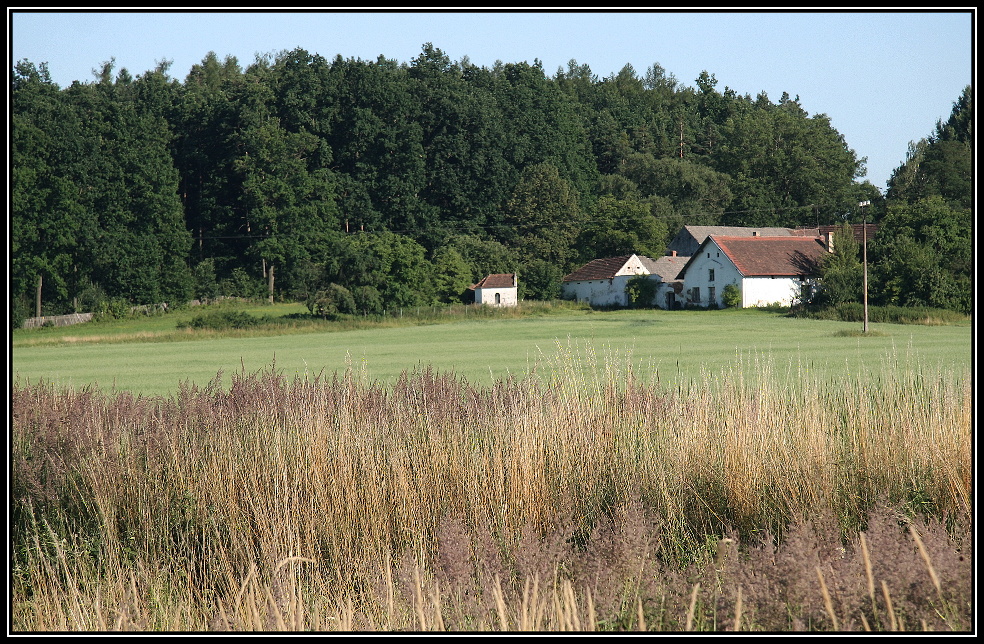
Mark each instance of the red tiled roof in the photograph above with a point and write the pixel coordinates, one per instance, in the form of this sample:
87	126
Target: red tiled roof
774	255
496	280
598	269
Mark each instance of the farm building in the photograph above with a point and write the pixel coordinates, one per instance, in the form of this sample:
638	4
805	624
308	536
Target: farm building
859	231
767	270
497	289
689	238
669	295
601	282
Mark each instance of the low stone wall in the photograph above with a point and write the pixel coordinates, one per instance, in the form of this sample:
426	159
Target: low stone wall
57	320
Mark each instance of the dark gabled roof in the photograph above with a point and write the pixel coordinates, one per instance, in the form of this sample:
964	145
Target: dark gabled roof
859	231
759	256
599	269
700	233
668	266
496	280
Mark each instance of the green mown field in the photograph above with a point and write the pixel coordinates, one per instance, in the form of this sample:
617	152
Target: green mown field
150	356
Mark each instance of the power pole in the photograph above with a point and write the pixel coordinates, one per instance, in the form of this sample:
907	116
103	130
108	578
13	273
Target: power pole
864	236
39	297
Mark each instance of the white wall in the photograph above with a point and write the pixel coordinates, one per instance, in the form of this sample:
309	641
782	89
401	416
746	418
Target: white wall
762	291
507	296
604	292
664	288
699	275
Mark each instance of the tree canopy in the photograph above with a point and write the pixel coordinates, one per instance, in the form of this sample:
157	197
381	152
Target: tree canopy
400	182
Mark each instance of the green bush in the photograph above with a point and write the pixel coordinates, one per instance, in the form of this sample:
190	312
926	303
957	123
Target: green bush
241	284
115	308
220	320
641	291
332	302
731	295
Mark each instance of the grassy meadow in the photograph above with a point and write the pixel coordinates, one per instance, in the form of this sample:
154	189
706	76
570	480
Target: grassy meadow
151	356
685	471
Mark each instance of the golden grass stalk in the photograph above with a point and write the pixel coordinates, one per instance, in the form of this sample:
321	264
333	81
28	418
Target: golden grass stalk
500	604
867	568
436	600
864	622
827	603
888	607
568	607
418	599
531	608
346	616
693	605
929	564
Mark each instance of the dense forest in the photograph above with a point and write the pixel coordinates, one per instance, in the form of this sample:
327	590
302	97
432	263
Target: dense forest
367	185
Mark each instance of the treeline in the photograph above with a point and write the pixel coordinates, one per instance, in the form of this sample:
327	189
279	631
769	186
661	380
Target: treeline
370	184
922	255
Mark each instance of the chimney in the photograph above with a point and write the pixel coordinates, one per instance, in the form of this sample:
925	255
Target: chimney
830	242
673	253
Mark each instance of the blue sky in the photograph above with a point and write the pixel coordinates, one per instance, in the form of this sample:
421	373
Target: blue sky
883	78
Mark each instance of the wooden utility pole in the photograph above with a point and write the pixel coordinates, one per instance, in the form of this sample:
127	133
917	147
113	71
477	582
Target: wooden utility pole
39	298
864	236
270	275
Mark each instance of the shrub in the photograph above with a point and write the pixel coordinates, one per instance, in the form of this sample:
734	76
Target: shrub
241	284
641	291
220	320
332	302
206	286
731	295
115	308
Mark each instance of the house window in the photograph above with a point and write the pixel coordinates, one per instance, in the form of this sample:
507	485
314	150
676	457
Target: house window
695	294
710	295
710	276
498	298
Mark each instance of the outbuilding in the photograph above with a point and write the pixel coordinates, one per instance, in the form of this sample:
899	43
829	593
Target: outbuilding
767	270
497	289
601	282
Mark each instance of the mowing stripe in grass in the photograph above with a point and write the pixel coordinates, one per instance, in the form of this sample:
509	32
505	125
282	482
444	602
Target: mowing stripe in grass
679	344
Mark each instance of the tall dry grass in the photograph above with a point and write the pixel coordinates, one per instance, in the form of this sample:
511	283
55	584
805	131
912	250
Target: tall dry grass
583	497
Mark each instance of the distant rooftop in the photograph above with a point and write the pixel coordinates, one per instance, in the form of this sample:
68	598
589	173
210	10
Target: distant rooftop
496	280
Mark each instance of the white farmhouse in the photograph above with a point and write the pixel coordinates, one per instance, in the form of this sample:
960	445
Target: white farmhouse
601	282
497	289
767	270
